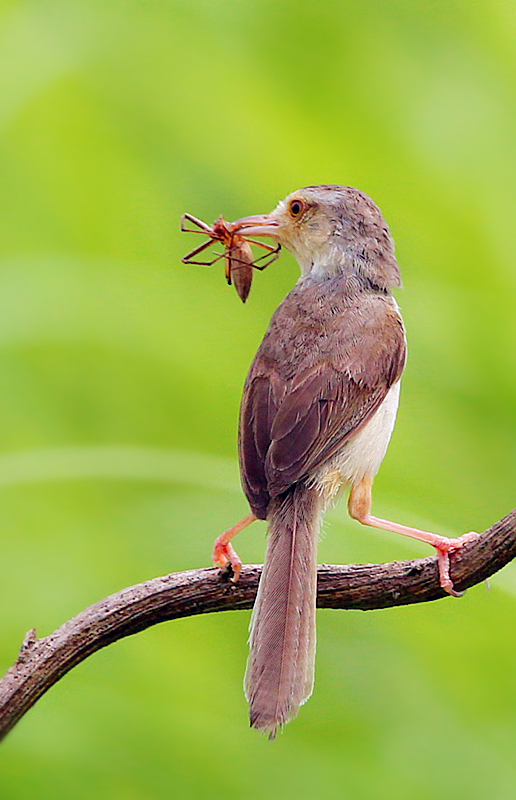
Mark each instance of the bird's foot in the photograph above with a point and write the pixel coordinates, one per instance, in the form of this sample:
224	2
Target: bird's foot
225	555
444	547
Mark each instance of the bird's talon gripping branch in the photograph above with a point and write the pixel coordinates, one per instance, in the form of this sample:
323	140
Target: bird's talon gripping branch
444	548
443	561
224	554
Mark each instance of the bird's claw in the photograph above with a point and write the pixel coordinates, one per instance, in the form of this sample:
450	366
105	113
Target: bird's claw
225	556
444	548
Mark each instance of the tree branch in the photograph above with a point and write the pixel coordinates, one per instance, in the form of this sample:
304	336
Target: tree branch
42	662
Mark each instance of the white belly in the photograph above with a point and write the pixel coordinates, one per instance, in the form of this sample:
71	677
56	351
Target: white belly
362	454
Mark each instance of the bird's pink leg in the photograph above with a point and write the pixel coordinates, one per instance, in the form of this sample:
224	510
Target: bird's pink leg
223	551
359	505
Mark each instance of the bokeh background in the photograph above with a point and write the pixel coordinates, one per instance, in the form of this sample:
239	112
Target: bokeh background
121	371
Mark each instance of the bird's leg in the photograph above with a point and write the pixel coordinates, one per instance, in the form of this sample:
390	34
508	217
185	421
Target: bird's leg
359	505
223	551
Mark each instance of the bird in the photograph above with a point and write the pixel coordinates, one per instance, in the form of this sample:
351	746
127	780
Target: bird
318	410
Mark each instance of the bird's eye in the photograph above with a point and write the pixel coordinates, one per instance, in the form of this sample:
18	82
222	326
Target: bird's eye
296	208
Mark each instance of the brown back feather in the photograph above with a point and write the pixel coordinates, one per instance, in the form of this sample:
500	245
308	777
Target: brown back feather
328	360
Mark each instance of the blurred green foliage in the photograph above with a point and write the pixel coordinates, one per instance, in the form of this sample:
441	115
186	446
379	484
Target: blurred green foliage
121	371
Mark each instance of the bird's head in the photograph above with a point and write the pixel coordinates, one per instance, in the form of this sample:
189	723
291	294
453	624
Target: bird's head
331	230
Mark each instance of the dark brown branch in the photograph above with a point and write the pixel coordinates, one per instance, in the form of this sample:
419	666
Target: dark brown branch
42	662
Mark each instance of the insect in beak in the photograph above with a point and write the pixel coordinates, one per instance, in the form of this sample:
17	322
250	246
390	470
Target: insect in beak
238	255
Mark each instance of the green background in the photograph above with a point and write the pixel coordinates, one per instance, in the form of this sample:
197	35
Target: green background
121	371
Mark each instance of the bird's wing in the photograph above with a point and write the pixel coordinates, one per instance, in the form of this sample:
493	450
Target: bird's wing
294	420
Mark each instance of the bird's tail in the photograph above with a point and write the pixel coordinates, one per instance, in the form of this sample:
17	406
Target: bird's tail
280	669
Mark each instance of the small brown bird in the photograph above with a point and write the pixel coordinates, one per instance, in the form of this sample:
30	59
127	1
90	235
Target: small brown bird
318	410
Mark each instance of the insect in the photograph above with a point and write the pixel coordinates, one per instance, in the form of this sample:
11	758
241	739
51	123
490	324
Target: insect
238	256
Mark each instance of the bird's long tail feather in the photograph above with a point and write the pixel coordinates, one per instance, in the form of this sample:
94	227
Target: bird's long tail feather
280	668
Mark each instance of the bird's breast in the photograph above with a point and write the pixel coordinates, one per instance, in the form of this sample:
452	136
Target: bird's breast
361	454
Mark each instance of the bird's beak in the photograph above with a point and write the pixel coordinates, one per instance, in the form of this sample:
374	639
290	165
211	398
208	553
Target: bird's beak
259	225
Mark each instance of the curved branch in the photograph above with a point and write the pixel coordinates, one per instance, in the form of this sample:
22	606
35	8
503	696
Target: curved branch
42	662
